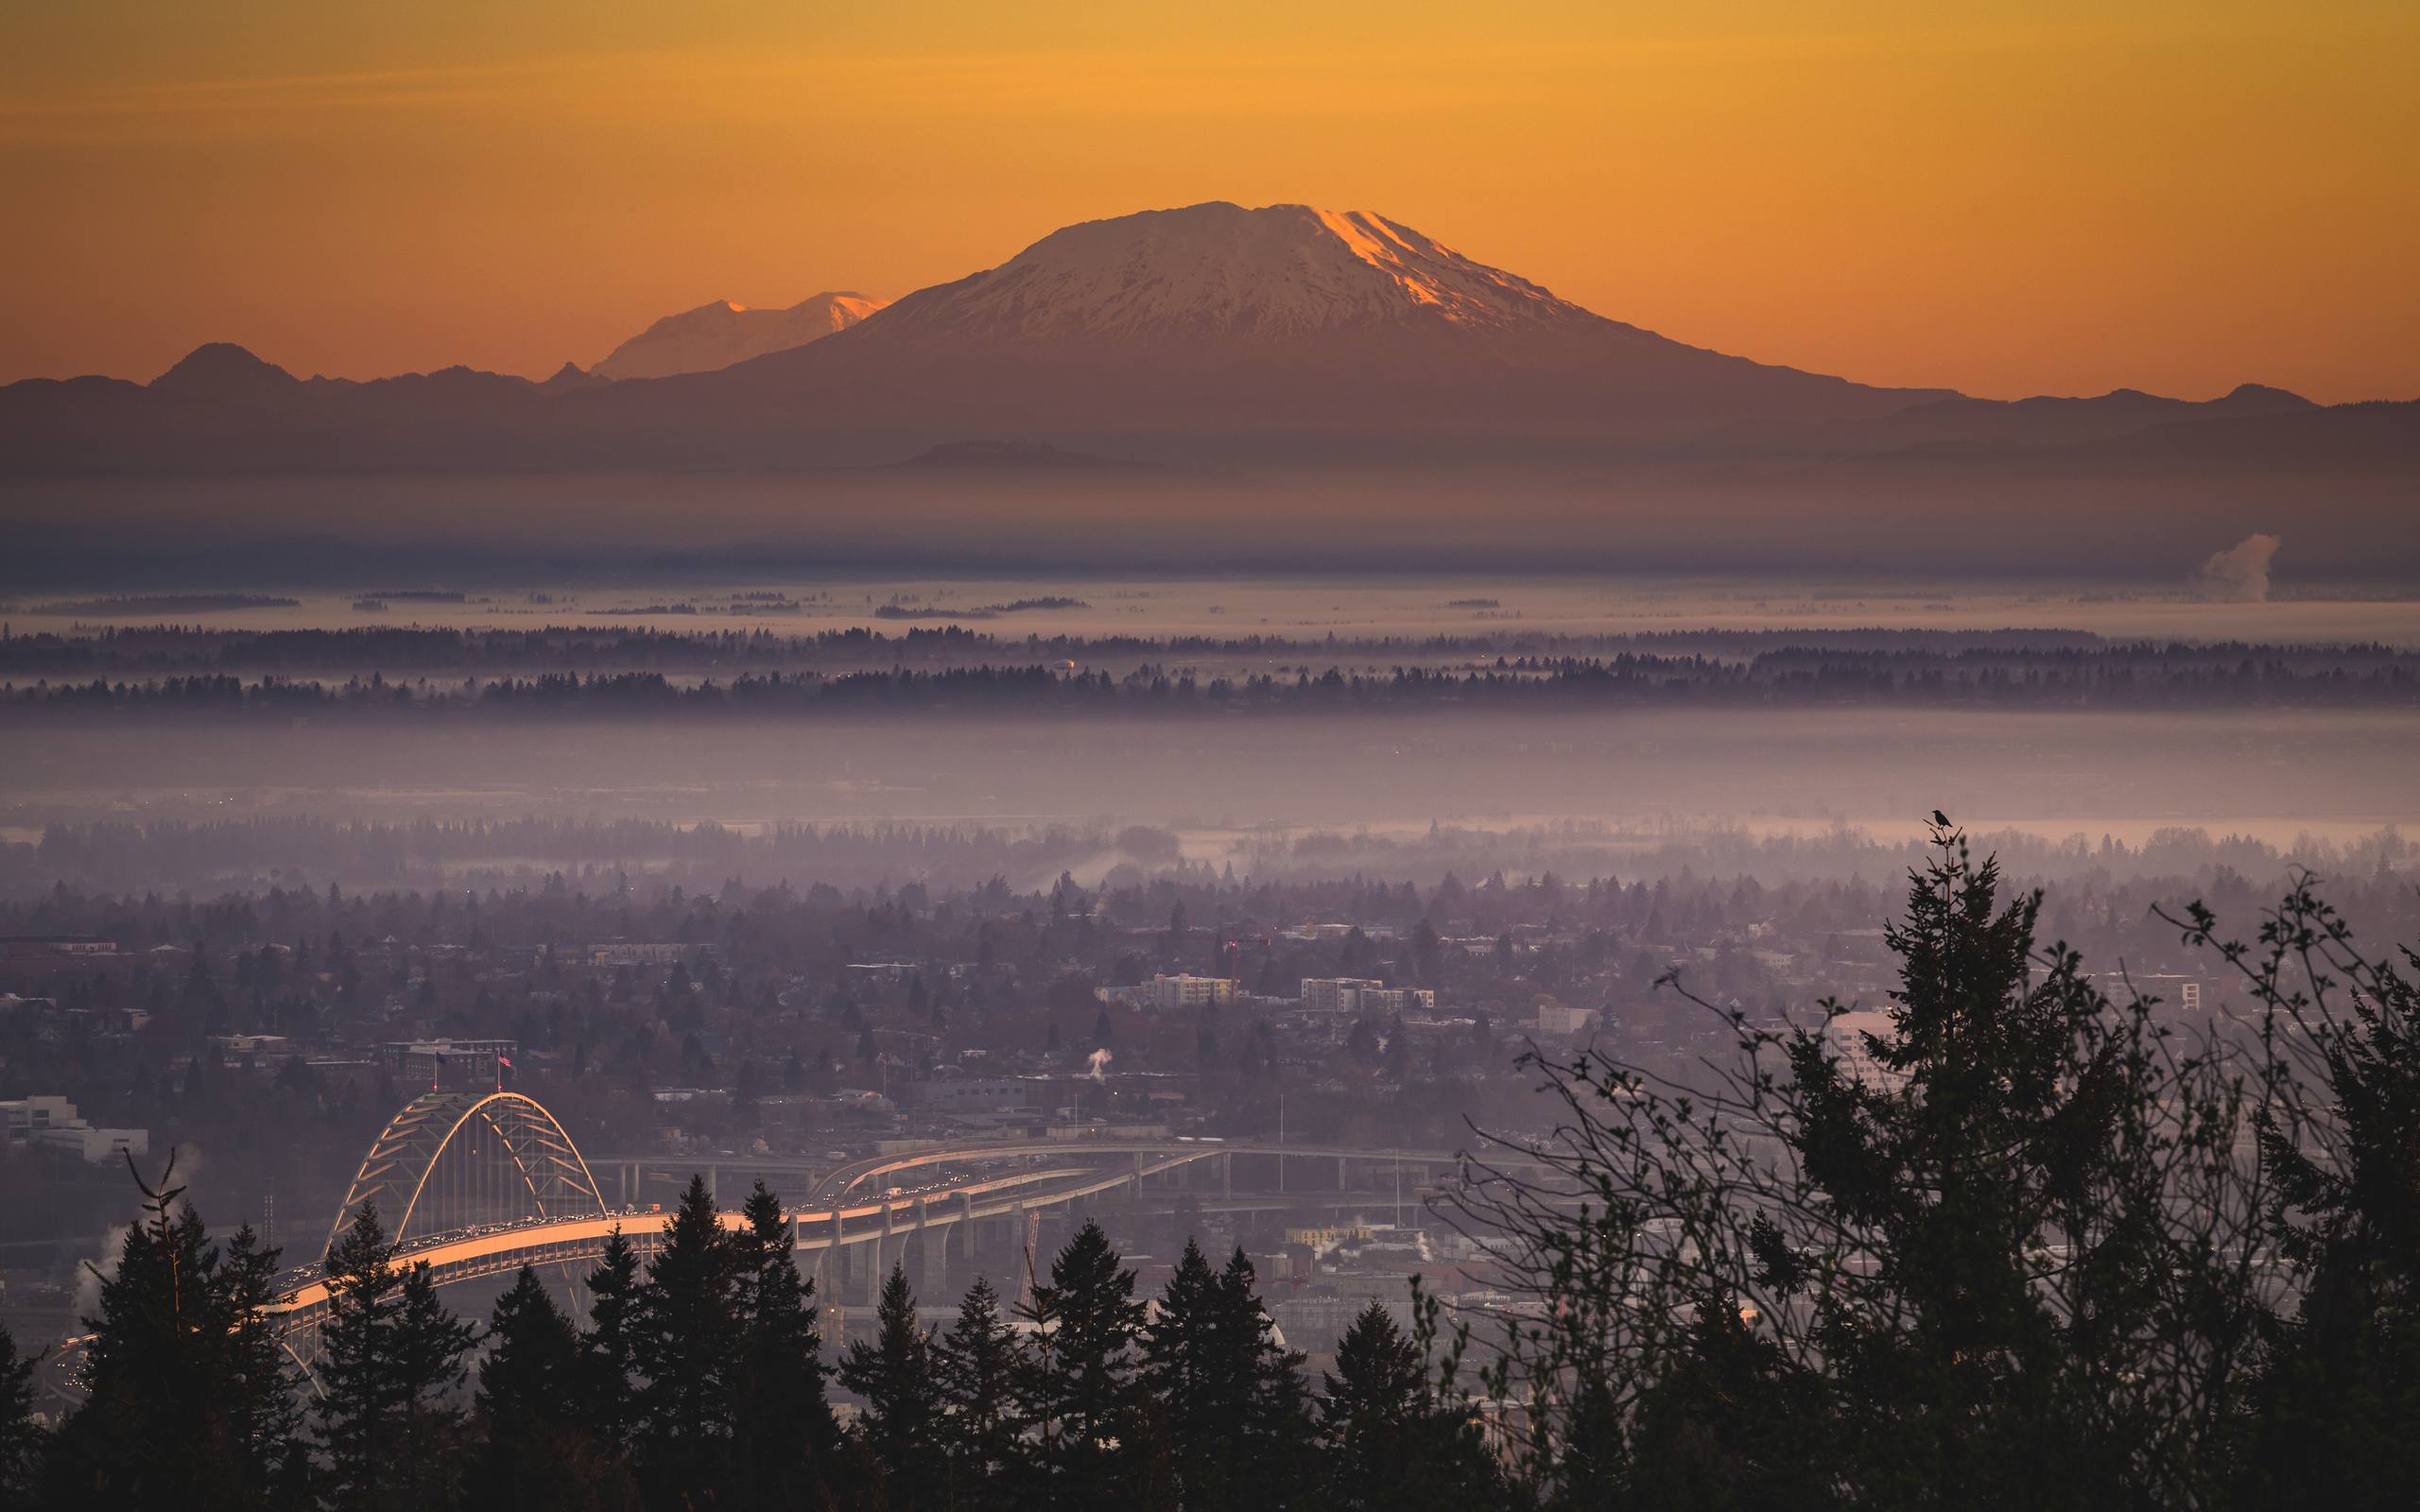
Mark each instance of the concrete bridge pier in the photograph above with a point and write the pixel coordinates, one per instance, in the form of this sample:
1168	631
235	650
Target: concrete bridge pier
885	1251
961	1234
1020	1258
932	1252
827	1272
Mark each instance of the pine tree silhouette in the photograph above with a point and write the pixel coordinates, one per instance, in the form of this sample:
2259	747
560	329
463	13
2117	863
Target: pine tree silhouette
895	1374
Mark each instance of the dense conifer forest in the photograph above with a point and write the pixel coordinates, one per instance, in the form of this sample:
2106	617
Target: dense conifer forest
841	673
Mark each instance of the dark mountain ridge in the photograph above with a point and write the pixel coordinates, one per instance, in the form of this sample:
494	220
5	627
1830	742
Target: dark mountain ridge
1211	333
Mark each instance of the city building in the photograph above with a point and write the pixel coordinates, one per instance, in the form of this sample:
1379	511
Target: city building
1329	1237
976	1094
35	946
1561	1021
1334	994
643	953
52	1123
1171	993
1359	995
2176	992
1318	932
1847	1033
260	1047
460	1062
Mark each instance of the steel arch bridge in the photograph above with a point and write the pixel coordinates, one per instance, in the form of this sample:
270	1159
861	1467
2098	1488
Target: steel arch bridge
478	1185
453	1161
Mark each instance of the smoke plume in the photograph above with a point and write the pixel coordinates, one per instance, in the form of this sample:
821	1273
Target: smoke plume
2240	572
1097	1062
90	1274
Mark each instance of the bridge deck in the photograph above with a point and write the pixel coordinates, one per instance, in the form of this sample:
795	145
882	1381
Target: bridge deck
571	1241
834	1221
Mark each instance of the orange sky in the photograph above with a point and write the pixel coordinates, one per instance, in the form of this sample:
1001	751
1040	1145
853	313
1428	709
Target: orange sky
2007	199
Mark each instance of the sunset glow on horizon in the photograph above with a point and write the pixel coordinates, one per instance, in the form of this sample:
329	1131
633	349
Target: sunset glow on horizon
2026	198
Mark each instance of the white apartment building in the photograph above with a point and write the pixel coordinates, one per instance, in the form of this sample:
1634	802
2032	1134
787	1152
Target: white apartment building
1361	994
52	1123
1561	1021
1336	994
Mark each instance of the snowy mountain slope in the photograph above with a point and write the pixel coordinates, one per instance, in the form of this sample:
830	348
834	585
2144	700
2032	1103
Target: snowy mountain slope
717	335
1204	328
1221	272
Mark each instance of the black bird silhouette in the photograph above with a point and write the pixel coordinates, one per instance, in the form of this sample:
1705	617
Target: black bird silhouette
1940	819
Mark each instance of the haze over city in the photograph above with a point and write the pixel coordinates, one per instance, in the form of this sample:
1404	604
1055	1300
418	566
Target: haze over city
1323	756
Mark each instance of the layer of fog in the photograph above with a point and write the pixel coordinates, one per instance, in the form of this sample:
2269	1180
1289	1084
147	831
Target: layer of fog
2231	597
1943	518
1227	787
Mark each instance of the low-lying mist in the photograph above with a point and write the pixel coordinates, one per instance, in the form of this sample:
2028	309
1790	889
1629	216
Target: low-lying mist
1244	791
2074	515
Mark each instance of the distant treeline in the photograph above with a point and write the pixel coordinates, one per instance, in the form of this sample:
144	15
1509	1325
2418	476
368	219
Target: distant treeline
182	649
185	649
176	853
164	604
981	611
2107	678
1326	874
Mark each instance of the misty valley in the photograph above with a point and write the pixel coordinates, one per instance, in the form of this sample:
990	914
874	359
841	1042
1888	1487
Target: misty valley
746	766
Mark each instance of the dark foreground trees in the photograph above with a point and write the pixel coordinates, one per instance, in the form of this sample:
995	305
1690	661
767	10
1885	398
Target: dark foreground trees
1396	1437
783	1432
1227	1402
699	1383
190	1401
2009	1252
2333	1393
974	1367
21	1441
897	1377
1075	1384
391	1429
2020	1248
537	1448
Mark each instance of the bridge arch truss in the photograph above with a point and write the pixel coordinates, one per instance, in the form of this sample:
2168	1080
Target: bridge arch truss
452	1158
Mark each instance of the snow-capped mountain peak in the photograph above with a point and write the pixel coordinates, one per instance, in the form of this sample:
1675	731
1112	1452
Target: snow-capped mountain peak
1221	270
716	335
